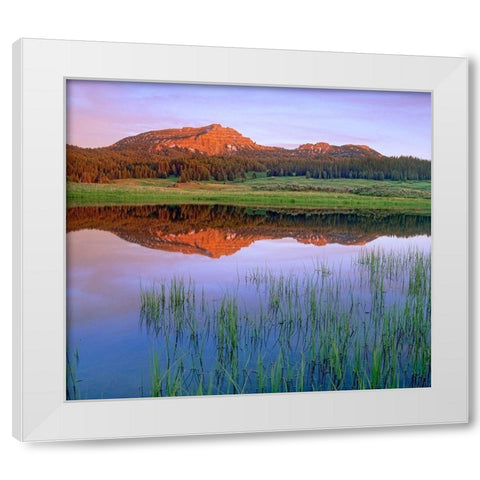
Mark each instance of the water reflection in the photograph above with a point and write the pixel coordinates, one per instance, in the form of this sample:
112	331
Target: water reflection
217	250
223	230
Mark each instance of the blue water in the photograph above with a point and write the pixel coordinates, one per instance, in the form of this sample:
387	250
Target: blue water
104	274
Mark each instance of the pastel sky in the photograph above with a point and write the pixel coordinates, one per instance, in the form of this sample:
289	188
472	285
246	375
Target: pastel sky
100	113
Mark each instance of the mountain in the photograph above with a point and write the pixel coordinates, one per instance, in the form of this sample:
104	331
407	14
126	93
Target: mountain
223	154
348	151
209	140
218	140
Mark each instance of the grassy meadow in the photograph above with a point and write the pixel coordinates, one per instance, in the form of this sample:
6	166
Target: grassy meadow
280	192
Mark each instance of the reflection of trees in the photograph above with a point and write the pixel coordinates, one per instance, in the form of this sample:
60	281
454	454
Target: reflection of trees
140	224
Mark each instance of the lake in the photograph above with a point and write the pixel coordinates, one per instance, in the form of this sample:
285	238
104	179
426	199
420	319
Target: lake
205	300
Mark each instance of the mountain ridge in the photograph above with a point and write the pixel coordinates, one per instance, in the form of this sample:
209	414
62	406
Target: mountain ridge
223	154
215	139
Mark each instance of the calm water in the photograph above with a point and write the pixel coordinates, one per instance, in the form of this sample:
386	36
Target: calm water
116	253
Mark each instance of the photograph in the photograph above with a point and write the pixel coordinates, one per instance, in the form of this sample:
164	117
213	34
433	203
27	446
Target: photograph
239	239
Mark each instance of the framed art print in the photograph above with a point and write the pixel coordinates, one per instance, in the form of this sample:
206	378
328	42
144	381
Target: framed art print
220	240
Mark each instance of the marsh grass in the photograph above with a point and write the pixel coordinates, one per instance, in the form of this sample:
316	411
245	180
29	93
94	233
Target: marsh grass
367	327
72	382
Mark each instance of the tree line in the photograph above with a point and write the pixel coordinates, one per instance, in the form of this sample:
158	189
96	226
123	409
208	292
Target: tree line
101	165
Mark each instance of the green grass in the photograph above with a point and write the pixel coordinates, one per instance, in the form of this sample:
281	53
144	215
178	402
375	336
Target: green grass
267	192
342	183
300	331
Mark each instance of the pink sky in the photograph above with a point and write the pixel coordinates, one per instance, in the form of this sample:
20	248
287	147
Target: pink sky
100	113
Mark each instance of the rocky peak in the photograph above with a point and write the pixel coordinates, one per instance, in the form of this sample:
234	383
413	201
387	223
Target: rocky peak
215	139
349	150
211	139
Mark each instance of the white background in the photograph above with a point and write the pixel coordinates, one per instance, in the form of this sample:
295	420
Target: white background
408	27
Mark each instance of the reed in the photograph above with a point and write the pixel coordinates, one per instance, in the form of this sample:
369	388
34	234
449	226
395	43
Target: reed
320	329
72	387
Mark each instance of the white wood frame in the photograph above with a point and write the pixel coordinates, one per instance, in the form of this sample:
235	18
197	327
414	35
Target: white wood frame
40	412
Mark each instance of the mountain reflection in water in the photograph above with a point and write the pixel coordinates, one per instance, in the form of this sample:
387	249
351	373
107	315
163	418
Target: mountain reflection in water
219	230
200	300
